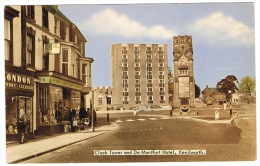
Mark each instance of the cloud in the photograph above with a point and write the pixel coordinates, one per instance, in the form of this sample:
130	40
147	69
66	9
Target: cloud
220	28
111	22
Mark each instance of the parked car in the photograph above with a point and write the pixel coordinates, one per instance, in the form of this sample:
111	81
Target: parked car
144	108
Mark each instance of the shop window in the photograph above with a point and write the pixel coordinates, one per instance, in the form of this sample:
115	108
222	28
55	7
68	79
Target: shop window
16	106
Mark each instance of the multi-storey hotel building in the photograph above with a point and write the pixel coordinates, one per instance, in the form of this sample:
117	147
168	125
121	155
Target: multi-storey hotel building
46	69
139	75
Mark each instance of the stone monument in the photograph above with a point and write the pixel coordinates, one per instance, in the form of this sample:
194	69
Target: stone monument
184	83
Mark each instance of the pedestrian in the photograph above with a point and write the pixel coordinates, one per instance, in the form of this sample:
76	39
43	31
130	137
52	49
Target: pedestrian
82	113
72	117
94	117
21	126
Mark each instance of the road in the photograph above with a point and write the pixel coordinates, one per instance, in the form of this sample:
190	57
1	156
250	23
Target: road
223	142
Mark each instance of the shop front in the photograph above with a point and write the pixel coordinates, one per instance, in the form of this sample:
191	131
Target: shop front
18	98
57	96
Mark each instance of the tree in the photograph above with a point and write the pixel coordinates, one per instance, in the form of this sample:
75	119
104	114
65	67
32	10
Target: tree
228	86
247	85
197	91
170	80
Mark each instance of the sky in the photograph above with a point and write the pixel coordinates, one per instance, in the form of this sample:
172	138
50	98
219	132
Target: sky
223	34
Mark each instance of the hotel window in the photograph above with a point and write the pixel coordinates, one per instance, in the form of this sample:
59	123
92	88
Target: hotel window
30	11
150	99
160	52
162	99
65	57
149	56
124	51
137	56
125	73
149	50
161	68
125	100
137	64
162	89
30	55
7	34
45	18
136	50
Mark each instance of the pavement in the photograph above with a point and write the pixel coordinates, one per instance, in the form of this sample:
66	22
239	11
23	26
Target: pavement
16	152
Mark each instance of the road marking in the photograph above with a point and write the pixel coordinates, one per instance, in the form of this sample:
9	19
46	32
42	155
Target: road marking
165	118
141	119
130	120
136	130
118	121
152	118
160	128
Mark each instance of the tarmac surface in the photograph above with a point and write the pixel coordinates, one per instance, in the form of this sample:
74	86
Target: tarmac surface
16	152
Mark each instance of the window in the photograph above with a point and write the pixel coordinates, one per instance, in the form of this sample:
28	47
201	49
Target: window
161	89
45	18
30	11
65	56
63	30
149	56
150	99
183	72
7	39
100	100
85	73
57	26
29	49
57	62
162	99
45	57
45	62
124	73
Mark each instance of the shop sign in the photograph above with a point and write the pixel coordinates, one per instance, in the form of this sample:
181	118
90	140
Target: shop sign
18	81
60	82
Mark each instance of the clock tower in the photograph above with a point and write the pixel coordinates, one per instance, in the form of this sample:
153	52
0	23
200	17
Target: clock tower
184	83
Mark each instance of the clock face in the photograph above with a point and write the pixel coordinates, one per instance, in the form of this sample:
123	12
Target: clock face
183	61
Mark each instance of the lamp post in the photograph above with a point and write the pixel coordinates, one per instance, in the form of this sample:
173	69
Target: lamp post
92	112
107	110
171	104
230	107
